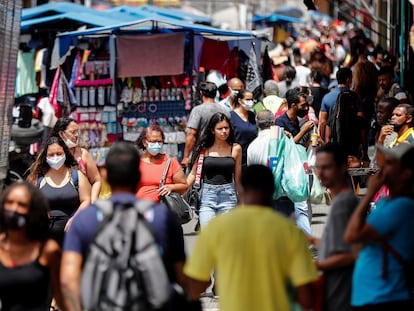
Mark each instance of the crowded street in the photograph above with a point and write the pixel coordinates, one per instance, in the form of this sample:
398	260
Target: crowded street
170	155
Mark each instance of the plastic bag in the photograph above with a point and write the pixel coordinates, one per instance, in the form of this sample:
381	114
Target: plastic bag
317	191
295	181
276	158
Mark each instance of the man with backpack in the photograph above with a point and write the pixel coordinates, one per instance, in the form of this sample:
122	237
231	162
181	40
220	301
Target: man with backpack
344	79
122	254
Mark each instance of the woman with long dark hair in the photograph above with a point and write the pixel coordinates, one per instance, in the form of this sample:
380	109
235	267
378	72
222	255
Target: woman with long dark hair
221	168
29	260
56	174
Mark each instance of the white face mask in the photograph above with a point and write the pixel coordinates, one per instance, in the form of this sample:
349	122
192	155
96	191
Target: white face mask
70	144
248	104
56	162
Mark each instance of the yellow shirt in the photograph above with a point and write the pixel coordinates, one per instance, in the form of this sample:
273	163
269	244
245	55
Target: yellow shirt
407	136
256	253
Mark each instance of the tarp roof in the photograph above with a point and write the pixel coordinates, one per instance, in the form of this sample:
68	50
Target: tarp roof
68	39
81	17
274	17
157	23
53	13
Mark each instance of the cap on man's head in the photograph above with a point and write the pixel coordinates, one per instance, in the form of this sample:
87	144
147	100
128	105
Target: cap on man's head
403	152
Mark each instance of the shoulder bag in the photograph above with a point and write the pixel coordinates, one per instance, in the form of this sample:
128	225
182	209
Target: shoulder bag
174	201
192	196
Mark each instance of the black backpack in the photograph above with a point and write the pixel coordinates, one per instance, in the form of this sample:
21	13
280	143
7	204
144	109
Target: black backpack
344	123
124	269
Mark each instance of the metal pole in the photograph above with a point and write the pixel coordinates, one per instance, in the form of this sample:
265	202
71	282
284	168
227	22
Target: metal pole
402	41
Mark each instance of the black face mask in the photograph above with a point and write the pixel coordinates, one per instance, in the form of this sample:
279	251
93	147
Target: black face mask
14	220
301	113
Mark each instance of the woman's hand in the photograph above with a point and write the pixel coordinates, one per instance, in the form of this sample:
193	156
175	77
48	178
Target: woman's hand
164	190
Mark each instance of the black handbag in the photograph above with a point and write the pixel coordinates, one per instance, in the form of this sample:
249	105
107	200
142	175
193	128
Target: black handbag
175	202
192	196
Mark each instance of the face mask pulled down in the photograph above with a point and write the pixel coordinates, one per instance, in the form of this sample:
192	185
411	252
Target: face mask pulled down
56	162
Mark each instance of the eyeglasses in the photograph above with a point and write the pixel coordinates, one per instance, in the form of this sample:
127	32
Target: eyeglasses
74	132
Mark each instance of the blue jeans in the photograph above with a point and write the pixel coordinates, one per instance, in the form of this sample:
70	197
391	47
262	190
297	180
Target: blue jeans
214	200
302	217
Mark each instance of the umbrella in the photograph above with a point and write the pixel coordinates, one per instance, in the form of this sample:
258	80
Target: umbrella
289	11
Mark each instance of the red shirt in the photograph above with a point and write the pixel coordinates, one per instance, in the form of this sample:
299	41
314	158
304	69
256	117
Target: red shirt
151	174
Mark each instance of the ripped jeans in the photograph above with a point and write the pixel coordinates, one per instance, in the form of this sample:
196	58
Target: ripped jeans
214	200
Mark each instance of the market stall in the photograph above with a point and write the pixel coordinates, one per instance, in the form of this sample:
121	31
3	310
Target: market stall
133	74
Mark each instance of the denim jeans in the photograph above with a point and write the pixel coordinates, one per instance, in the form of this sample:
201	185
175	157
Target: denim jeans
302	217
214	200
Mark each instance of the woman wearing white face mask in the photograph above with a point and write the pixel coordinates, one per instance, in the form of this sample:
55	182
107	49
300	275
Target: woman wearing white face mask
244	121
152	164
67	129
67	189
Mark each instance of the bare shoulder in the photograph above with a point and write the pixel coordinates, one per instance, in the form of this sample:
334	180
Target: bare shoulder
85	154
237	147
51	248
51	253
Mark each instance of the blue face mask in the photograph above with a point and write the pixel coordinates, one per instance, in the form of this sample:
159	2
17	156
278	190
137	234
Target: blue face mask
154	148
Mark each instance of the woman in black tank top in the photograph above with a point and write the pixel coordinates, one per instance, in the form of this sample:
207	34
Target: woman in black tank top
29	261
67	189
221	168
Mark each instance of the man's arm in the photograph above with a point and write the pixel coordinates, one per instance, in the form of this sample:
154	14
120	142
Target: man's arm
305	128
196	287
323	118
70	274
335	261
190	140
304	296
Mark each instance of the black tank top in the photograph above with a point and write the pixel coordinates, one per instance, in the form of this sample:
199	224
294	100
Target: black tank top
63	201
25	288
218	170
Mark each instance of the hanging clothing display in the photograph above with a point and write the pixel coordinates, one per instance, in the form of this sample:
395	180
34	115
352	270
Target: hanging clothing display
214	54
25	74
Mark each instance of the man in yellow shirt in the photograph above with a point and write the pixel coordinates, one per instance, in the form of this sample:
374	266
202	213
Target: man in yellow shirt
257	253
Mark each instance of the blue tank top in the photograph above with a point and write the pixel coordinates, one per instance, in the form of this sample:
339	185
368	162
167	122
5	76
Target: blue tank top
218	170
25	288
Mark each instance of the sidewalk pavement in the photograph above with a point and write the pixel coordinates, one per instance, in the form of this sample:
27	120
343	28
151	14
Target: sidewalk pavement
319	211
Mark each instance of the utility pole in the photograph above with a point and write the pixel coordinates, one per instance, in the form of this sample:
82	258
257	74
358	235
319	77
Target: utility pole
10	15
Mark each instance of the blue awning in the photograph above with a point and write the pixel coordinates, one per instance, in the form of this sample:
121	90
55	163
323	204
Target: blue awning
157	23
273	18
67	39
81	17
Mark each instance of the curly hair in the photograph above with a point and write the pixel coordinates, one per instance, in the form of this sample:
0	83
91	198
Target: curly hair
153	127
208	138
40	166
37	226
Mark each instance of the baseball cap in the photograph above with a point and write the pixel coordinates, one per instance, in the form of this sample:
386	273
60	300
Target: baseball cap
403	152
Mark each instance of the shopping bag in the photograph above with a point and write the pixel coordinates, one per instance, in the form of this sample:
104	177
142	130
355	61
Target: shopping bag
276	157
295	181
317	191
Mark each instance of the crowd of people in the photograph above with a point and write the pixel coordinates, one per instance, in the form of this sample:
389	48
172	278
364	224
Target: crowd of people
258	253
